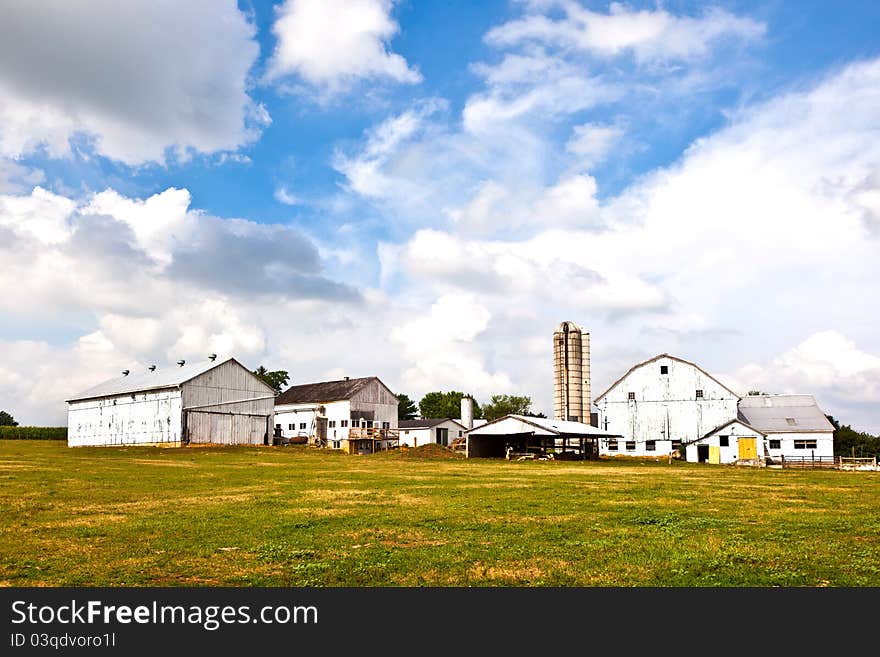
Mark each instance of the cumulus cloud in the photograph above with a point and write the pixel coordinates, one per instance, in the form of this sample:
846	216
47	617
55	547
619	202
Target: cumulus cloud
648	35
330	44
16	178
132	81
592	143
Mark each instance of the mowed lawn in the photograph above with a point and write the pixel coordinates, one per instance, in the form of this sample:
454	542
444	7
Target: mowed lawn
295	516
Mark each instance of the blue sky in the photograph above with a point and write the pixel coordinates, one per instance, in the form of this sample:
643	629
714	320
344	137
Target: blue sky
423	190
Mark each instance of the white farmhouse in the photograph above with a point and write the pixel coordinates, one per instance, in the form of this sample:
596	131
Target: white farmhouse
794	426
355	415
213	401
441	431
661	404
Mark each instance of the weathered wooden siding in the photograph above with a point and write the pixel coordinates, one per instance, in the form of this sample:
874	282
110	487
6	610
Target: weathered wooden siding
228	382
226	428
375	402
665	406
142	418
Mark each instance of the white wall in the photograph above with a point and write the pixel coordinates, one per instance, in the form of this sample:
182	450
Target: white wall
336	413
423	436
142	418
665	407
824	444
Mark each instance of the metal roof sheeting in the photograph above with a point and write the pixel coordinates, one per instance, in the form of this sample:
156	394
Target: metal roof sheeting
538	425
166	377
783	413
325	391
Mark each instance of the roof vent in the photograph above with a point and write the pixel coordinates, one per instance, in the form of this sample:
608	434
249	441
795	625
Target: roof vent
213	357
152	368
345	378
181	362
124	372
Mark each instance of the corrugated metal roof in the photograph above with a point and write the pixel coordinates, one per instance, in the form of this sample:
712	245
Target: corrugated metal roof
783	413
424	423
171	376
559	427
325	391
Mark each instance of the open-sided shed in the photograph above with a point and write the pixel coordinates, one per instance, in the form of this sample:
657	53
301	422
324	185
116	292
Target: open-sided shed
532	435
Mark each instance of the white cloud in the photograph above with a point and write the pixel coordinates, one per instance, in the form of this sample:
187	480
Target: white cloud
592	143
132	80
648	35
283	195
332	43
16	178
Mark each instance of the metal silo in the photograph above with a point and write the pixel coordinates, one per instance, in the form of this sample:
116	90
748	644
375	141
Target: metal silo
571	373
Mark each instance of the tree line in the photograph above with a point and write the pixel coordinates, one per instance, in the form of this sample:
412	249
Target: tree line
439	404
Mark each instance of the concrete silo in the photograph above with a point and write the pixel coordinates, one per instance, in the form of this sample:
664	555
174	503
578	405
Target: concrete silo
571	373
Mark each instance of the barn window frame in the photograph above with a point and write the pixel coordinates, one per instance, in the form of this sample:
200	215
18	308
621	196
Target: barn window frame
631	396
343	423
805	443
650	445
775	443
612	445
302	426
699	393
724	441
630	445
664	369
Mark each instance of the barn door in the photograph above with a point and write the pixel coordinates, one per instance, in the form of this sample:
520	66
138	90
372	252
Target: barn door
748	448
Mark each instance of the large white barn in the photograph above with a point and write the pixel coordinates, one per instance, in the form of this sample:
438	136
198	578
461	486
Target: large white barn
213	401
355	415
661	404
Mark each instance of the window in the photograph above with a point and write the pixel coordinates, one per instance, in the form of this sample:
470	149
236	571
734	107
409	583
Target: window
302	425
631	396
775	443
724	441
651	445
630	445
459	433
676	444
331	424
791	421
277	426
805	444
699	394
612	445
343	423
290	427
664	369
335	444
386	425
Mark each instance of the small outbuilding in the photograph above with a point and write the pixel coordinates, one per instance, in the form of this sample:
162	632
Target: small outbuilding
423	431
794	426
732	442
535	437
209	402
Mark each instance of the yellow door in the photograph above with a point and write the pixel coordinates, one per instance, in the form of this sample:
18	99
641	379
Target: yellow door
748	448
714	454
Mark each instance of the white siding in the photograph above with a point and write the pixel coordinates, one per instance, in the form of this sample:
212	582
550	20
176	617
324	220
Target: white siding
824	444
730	453
306	413
425	435
665	407
142	418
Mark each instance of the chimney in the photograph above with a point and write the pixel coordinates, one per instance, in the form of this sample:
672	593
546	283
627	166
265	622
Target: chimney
345	378
467	413
181	363
124	372
213	357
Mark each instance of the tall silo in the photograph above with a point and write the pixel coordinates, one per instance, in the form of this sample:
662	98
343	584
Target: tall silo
571	373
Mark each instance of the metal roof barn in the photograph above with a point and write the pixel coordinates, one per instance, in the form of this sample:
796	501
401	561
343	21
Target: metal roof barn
208	402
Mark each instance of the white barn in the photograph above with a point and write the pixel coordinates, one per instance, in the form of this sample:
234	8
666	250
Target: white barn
794	426
660	405
423	431
219	402
355	415
733	441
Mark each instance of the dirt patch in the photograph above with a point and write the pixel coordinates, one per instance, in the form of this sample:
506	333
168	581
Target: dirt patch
430	451
509	572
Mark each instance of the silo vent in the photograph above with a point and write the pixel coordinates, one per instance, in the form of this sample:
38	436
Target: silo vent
181	362
152	368
124	372
213	357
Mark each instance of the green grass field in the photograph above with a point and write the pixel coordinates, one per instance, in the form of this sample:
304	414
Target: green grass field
295	516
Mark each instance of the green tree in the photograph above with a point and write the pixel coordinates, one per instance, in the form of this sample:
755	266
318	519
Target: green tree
6	420
277	379
445	404
406	407
849	442
502	405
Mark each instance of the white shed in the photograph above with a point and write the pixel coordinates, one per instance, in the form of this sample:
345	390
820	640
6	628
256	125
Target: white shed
661	404
733	441
430	430
522	434
213	401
